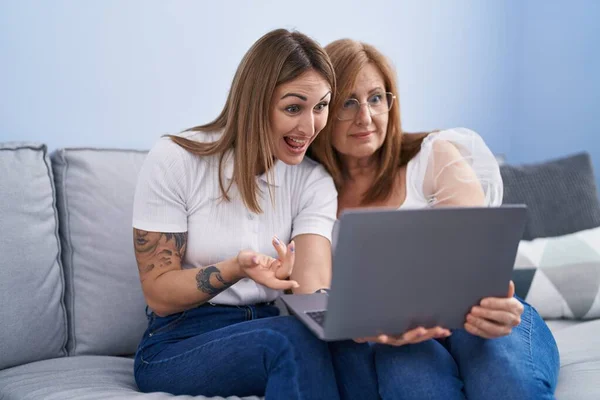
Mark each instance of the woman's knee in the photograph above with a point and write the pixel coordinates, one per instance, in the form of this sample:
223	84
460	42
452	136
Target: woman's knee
506	368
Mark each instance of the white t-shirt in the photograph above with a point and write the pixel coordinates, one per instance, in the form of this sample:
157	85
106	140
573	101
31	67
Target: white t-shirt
178	191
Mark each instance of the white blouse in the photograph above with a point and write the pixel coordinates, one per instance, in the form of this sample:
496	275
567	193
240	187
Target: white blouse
424	170
178	191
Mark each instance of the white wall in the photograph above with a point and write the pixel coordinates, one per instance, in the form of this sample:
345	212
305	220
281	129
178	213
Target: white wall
120	73
558	109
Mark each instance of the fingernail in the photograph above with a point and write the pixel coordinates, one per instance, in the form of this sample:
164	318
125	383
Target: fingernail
296	285
255	260
292	247
276	240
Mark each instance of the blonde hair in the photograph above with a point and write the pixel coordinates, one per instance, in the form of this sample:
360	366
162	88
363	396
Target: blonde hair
278	57
348	58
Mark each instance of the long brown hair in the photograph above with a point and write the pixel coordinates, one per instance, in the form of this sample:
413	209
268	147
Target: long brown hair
276	58
348	58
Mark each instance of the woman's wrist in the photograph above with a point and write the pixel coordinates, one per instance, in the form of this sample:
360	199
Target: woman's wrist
239	270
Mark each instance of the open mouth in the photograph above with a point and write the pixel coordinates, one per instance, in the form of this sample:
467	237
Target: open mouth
296	144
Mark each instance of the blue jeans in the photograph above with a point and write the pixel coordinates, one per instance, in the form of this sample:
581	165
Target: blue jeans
234	351
523	365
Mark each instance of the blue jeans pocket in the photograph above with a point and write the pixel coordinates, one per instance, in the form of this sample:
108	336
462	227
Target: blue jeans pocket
159	325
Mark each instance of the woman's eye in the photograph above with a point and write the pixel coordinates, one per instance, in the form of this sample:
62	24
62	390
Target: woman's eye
376	99
321	106
350	103
293	109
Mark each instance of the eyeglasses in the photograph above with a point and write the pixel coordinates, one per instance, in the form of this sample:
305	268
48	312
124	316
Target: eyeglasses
379	103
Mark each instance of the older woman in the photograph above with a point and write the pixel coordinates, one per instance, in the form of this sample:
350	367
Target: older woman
505	351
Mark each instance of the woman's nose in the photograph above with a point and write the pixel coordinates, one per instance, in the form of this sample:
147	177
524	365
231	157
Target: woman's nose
363	115
307	124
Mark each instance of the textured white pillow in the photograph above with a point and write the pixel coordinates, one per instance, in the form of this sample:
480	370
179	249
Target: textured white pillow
566	283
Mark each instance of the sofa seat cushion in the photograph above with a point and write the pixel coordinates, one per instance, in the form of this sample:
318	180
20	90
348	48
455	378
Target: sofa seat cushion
579	347
79	378
556	325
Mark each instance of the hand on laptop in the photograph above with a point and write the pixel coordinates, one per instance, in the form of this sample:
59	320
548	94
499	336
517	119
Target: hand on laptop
413	336
495	317
269	271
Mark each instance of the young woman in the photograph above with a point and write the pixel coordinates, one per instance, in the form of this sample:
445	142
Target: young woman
214	208
505	351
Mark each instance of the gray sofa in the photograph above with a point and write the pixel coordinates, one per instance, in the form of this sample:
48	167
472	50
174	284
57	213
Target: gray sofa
71	307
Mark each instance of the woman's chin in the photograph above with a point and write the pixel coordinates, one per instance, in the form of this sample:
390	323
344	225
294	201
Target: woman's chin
289	155
291	159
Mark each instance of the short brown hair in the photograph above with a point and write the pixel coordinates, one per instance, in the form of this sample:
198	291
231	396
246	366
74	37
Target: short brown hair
348	58
276	58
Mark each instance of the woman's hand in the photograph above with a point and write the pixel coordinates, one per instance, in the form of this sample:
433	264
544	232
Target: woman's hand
495	317
413	336
269	271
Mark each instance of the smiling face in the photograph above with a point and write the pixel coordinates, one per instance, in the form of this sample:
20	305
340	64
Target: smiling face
359	138
299	111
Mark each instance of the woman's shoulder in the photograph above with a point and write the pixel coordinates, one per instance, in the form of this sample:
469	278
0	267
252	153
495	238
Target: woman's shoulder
448	152
167	150
450	144
455	136
200	136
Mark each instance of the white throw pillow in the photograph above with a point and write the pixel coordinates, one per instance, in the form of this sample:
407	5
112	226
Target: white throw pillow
566	283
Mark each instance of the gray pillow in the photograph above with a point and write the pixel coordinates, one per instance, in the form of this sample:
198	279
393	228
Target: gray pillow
32	311
561	195
104	298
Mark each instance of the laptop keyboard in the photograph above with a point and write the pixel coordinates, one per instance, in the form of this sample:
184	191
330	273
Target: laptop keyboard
317	316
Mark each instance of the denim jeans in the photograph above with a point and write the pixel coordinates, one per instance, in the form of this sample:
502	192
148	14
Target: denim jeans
523	365
234	351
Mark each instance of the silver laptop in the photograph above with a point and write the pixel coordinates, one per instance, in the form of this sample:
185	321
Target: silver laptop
394	270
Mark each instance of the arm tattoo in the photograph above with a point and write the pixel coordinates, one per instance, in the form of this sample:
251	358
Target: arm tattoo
180	240
146	268
158	249
203	280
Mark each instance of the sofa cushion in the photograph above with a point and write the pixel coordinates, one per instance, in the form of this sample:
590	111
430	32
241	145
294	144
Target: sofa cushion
104	299
32	313
79	378
561	195
566	279
579	377
556	325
